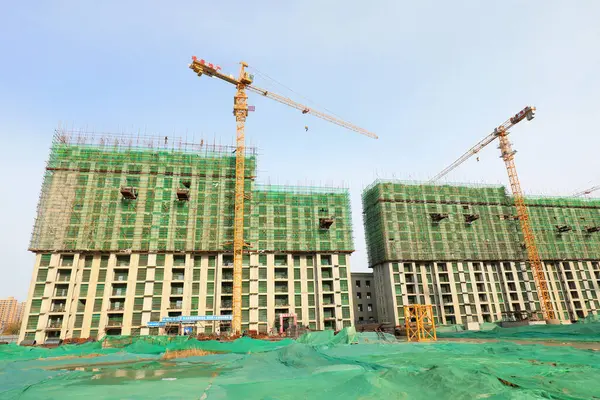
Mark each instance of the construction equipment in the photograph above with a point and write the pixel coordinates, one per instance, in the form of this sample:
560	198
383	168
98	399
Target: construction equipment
587	191
508	154
419	323
240	111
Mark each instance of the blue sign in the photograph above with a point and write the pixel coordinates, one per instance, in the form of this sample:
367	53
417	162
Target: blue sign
155	324
194	318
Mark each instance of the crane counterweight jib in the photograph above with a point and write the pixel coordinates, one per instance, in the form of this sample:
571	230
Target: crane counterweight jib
528	112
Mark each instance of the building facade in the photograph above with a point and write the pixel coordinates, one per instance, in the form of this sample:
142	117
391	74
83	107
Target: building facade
460	249
11	311
363	294
130	231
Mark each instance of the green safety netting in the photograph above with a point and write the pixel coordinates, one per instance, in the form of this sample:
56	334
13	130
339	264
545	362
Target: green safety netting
319	365
485	326
580	332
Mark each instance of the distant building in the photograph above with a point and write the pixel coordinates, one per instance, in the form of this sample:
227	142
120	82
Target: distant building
363	293
11	311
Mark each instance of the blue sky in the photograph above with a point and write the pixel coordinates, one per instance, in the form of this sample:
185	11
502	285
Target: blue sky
431	78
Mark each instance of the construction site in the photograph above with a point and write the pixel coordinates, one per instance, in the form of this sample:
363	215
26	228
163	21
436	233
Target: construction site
163	267
475	292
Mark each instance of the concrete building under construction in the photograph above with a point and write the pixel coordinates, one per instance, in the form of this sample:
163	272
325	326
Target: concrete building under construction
131	230
460	248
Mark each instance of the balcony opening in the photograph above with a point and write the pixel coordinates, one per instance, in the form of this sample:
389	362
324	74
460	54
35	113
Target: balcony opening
63	275
227	275
227	288
61	290
281	287
116	306
177	289
327	286
281	300
175	303
119	290
54	324
58	306
329	324
178	274
121	275
281	273
280	260
226	303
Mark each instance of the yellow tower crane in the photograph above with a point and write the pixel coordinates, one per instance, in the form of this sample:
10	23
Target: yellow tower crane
508	155
240	111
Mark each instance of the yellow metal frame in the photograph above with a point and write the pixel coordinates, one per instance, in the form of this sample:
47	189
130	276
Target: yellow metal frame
533	254
419	323
508	155
240	110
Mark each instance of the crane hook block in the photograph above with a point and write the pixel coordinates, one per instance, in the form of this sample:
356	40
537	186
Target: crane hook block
305	111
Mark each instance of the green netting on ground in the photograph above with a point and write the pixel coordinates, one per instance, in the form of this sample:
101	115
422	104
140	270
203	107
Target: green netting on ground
160	344
579	332
485	326
326	368
346	336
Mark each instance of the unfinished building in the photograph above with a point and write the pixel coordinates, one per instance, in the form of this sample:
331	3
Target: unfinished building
131	230
460	248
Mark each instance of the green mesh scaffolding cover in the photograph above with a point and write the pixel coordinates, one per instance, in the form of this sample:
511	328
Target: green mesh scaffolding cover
82	207
479	223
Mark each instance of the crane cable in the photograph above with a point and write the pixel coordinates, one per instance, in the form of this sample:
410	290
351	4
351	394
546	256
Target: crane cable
265	76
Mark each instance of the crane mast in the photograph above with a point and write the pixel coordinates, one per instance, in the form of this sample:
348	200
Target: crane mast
508	154
240	111
533	255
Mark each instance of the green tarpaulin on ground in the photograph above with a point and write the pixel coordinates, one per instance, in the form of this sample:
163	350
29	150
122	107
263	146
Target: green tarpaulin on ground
580	332
319	365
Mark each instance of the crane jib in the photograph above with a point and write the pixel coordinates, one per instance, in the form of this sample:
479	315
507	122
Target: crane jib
241	111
